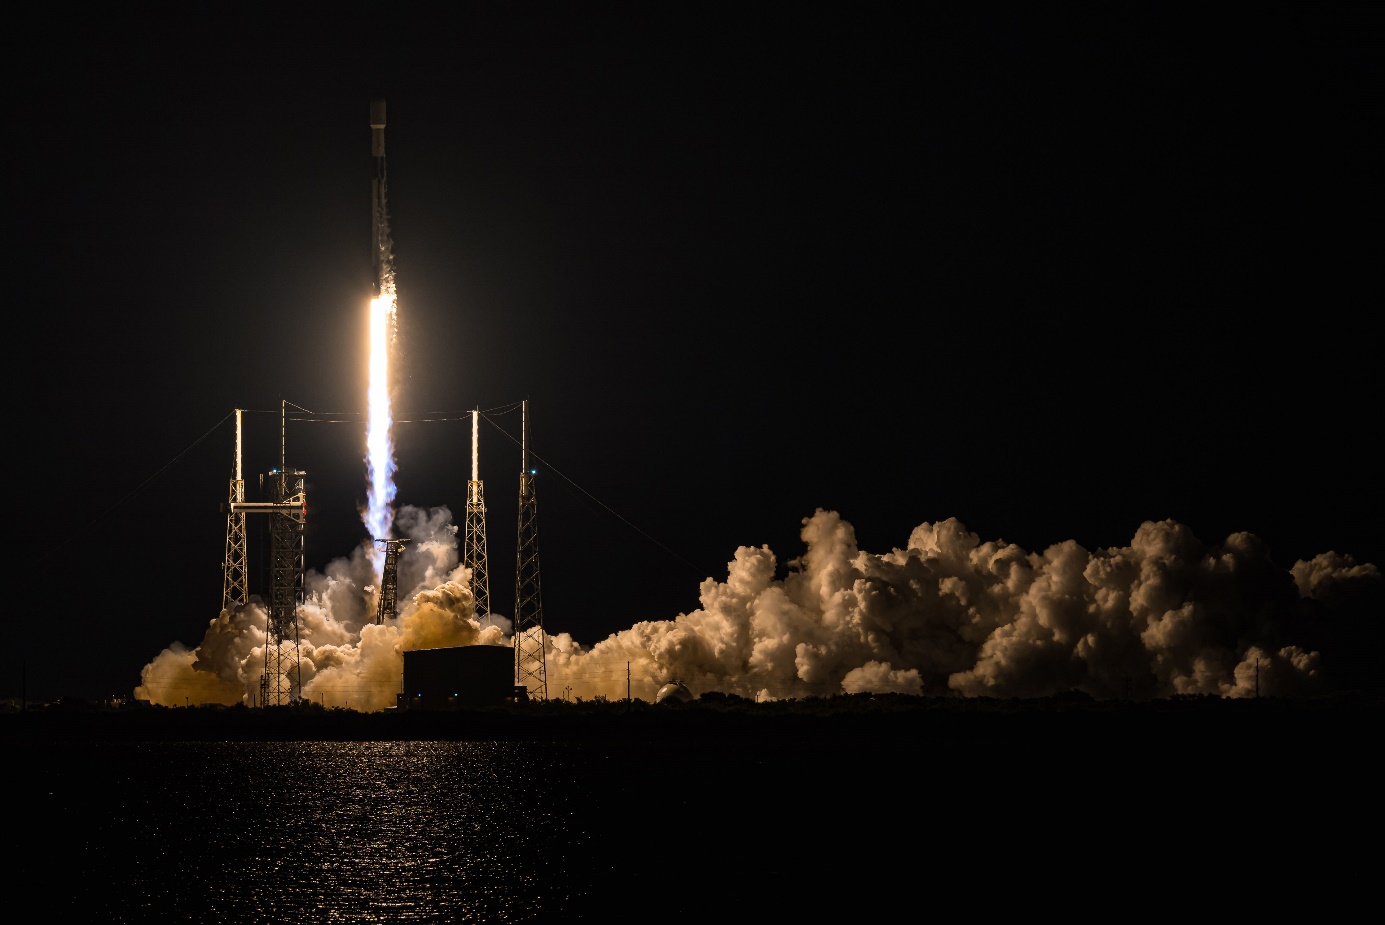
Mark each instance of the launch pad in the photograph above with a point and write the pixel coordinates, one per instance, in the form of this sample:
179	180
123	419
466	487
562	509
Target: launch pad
286	506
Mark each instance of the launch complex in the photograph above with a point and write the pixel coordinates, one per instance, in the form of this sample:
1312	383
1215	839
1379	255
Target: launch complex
285	504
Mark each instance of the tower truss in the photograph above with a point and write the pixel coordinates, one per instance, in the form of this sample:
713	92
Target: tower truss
234	580
281	682
388	607
474	543
288	514
530	642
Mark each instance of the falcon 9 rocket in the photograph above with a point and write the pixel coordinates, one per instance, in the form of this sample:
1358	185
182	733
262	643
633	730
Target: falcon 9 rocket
379	513
379	217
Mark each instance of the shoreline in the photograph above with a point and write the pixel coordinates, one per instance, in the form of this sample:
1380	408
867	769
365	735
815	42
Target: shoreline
880	720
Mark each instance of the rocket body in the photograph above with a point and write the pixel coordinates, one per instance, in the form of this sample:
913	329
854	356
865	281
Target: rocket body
379	219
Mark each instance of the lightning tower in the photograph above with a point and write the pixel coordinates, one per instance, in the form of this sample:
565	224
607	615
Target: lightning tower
288	515
530	662
474	544
234	584
280	683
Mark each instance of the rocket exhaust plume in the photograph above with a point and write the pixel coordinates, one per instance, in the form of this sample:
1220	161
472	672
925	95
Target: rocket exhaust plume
380	463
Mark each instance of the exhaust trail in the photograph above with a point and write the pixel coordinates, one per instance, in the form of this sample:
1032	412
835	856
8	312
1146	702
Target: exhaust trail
378	515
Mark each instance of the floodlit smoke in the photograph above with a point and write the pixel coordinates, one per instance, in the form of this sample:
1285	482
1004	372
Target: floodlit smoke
345	658
945	615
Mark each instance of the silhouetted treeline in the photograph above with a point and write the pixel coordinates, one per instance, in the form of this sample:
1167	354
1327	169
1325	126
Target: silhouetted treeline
1021	730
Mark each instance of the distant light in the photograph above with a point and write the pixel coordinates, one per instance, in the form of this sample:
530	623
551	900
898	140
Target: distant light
533	472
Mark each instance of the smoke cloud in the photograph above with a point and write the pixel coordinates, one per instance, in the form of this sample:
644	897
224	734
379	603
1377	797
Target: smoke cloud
945	615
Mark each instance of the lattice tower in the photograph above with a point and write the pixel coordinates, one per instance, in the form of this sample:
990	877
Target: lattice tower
234	582
474	542
530	660
281	682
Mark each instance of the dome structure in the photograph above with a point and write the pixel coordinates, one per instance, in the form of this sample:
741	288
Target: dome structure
673	690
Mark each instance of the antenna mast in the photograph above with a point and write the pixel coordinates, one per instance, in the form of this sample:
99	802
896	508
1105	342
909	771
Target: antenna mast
530	667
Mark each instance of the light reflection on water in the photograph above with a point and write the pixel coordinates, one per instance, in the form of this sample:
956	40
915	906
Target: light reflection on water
423	831
661	829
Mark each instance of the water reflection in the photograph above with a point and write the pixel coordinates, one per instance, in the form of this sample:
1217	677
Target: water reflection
319	831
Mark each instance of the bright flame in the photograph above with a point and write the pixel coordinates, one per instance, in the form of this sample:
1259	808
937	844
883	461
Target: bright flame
380	465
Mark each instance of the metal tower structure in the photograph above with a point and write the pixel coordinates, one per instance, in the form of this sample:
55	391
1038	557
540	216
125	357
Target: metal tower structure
288	513
234	583
281	683
530	662
474	544
388	608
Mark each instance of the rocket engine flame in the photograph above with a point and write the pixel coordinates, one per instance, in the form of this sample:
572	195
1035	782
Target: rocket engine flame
380	463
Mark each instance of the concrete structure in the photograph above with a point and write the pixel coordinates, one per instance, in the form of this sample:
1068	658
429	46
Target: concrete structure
458	677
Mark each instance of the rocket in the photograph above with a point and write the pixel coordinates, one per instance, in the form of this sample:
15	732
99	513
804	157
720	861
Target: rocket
379	220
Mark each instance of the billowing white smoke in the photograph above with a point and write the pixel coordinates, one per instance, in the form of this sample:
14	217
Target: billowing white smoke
945	615
345	658
950	615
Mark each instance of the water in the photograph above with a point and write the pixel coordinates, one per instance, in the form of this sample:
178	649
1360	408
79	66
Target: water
315	831
668	828
417	831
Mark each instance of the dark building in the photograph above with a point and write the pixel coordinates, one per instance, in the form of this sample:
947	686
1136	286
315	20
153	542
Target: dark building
458	677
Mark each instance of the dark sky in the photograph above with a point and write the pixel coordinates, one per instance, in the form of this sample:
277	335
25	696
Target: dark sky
1054	273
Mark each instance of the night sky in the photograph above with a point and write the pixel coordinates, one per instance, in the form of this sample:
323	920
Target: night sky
1054	273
